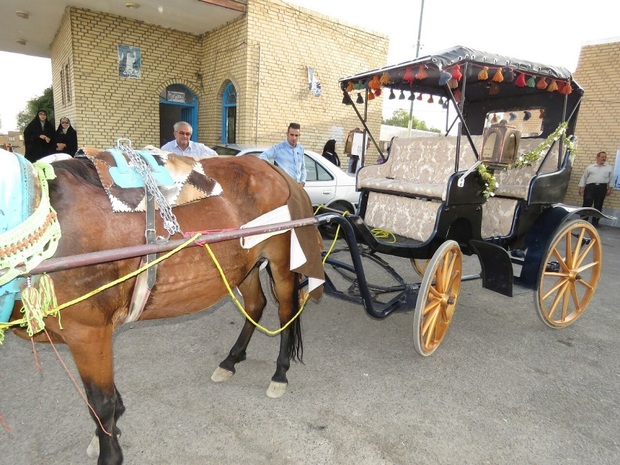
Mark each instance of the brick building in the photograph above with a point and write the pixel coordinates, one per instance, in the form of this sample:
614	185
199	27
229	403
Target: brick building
597	127
242	82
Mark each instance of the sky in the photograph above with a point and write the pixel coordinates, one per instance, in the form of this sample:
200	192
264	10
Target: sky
536	30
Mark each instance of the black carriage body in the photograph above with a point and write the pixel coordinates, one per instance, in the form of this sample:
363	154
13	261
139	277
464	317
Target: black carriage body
475	87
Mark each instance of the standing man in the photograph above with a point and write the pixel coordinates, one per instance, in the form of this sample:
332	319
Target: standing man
595	184
289	154
182	145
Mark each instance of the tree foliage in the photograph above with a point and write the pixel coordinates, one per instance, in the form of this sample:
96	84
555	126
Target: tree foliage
400	118
43	102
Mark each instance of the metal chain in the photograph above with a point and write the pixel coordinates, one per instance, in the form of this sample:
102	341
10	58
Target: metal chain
165	211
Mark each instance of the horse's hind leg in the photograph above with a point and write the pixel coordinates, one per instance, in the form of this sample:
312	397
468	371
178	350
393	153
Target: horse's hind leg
92	352
291	345
254	303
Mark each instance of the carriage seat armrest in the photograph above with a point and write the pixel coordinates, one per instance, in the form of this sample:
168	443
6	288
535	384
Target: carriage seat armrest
461	181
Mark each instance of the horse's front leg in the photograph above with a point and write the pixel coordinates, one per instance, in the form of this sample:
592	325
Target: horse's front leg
92	352
254	303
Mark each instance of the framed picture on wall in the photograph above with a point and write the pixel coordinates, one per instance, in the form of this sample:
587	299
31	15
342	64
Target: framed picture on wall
129	61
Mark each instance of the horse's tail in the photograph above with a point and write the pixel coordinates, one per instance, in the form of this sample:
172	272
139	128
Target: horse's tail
295	344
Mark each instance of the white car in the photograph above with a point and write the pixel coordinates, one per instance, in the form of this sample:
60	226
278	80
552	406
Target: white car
326	183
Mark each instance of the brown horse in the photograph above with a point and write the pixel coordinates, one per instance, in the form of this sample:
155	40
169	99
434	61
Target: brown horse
186	282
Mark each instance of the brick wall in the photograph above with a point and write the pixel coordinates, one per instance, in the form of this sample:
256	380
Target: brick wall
265	54
597	127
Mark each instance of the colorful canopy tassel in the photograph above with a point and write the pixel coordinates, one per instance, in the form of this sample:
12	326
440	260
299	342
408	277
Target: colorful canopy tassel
374	83
509	75
456	72
349	86
444	78
483	75
453	83
371	95
553	86
392	95
531	82
421	73
419	97
408	77
566	88
385	79
520	82
457	95
541	84
498	77
527	115
430	99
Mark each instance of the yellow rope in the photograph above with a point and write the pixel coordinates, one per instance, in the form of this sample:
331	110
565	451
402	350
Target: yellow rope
384	234
58	308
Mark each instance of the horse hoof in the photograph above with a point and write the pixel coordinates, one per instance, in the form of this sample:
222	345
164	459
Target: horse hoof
220	375
93	448
276	390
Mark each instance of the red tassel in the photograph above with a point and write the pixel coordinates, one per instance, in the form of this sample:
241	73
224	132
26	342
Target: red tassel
408	77
541	84
430	99
520	82
499	77
456	72
457	95
377	92
566	88
421	73
419	97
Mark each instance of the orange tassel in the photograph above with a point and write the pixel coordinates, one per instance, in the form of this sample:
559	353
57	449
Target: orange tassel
421	73
453	83
483	75
374	83
541	84
371	95
553	86
385	79
498	77
349	86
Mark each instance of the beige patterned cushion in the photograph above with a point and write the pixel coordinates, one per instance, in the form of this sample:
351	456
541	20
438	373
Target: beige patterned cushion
419	166
405	216
497	217
515	182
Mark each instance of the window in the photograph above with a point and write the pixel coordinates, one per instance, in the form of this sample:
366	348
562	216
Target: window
229	115
315	172
68	83
529	122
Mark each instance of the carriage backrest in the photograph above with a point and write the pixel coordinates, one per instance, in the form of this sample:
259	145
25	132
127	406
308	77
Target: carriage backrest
419	166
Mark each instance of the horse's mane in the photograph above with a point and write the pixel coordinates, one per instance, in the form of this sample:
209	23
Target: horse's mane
80	168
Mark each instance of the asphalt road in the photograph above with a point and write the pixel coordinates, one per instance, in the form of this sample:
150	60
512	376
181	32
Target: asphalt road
501	389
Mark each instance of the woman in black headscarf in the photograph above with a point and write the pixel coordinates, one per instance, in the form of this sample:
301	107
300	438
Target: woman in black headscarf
66	138
39	137
329	152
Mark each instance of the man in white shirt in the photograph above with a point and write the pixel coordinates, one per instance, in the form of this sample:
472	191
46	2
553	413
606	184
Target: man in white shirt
182	144
595	184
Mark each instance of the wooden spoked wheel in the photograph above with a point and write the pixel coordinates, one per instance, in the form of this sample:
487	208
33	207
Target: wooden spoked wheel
569	274
437	298
419	265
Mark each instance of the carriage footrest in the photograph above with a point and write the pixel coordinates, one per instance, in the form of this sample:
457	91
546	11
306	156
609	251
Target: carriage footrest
496	264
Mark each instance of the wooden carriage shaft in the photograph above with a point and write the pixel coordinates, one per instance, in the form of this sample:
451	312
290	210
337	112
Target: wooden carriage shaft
104	256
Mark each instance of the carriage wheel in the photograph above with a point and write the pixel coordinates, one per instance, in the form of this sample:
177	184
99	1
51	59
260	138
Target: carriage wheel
419	265
437	298
569	275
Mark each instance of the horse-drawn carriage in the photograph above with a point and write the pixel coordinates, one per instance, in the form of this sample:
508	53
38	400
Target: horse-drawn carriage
492	190
492	186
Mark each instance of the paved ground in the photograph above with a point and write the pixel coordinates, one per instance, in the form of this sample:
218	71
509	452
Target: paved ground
501	389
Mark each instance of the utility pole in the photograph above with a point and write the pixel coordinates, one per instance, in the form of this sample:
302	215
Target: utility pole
417	54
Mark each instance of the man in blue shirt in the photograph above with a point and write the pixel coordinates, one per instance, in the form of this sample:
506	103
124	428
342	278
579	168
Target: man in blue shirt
182	145
289	154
